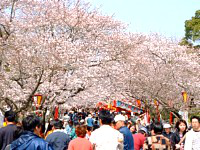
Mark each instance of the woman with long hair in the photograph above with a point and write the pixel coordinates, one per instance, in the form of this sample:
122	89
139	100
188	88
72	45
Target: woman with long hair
178	135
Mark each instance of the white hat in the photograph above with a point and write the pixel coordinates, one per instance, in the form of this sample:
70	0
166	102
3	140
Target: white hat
166	126
119	118
82	121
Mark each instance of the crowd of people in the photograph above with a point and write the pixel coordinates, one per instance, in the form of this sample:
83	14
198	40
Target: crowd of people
97	130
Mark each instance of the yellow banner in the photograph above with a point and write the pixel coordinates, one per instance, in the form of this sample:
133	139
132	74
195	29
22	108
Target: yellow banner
39	99
184	97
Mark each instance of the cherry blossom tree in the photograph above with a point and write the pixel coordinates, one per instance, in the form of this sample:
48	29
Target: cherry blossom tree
55	48
162	70
74	55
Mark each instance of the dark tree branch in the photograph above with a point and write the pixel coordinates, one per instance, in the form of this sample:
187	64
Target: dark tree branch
9	102
3	29
159	57
29	100
74	92
12	10
18	81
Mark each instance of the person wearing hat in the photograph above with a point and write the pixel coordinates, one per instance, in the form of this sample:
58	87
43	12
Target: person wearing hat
139	138
167	131
128	138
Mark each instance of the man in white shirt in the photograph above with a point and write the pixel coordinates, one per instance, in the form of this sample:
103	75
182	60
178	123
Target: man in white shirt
192	141
106	137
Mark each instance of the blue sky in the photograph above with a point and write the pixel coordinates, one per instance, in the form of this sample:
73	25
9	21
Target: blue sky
166	17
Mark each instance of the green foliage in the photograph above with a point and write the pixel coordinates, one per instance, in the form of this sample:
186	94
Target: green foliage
165	114
194	112
184	41
192	30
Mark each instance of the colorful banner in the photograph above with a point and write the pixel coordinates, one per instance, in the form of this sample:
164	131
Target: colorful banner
184	94
138	103
171	118
37	99
56	113
128	107
156	102
147	117
184	115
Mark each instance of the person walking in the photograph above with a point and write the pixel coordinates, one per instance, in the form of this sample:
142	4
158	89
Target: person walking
177	138
139	138
128	138
157	141
89	121
59	139
167	131
106	137
7	133
80	143
192	141
29	139
70	130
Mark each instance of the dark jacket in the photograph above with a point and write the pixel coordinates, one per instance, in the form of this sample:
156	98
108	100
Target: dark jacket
175	139
30	141
128	138
167	135
59	140
7	135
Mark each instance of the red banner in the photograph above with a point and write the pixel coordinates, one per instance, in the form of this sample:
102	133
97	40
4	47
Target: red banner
170	117
56	113
138	103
